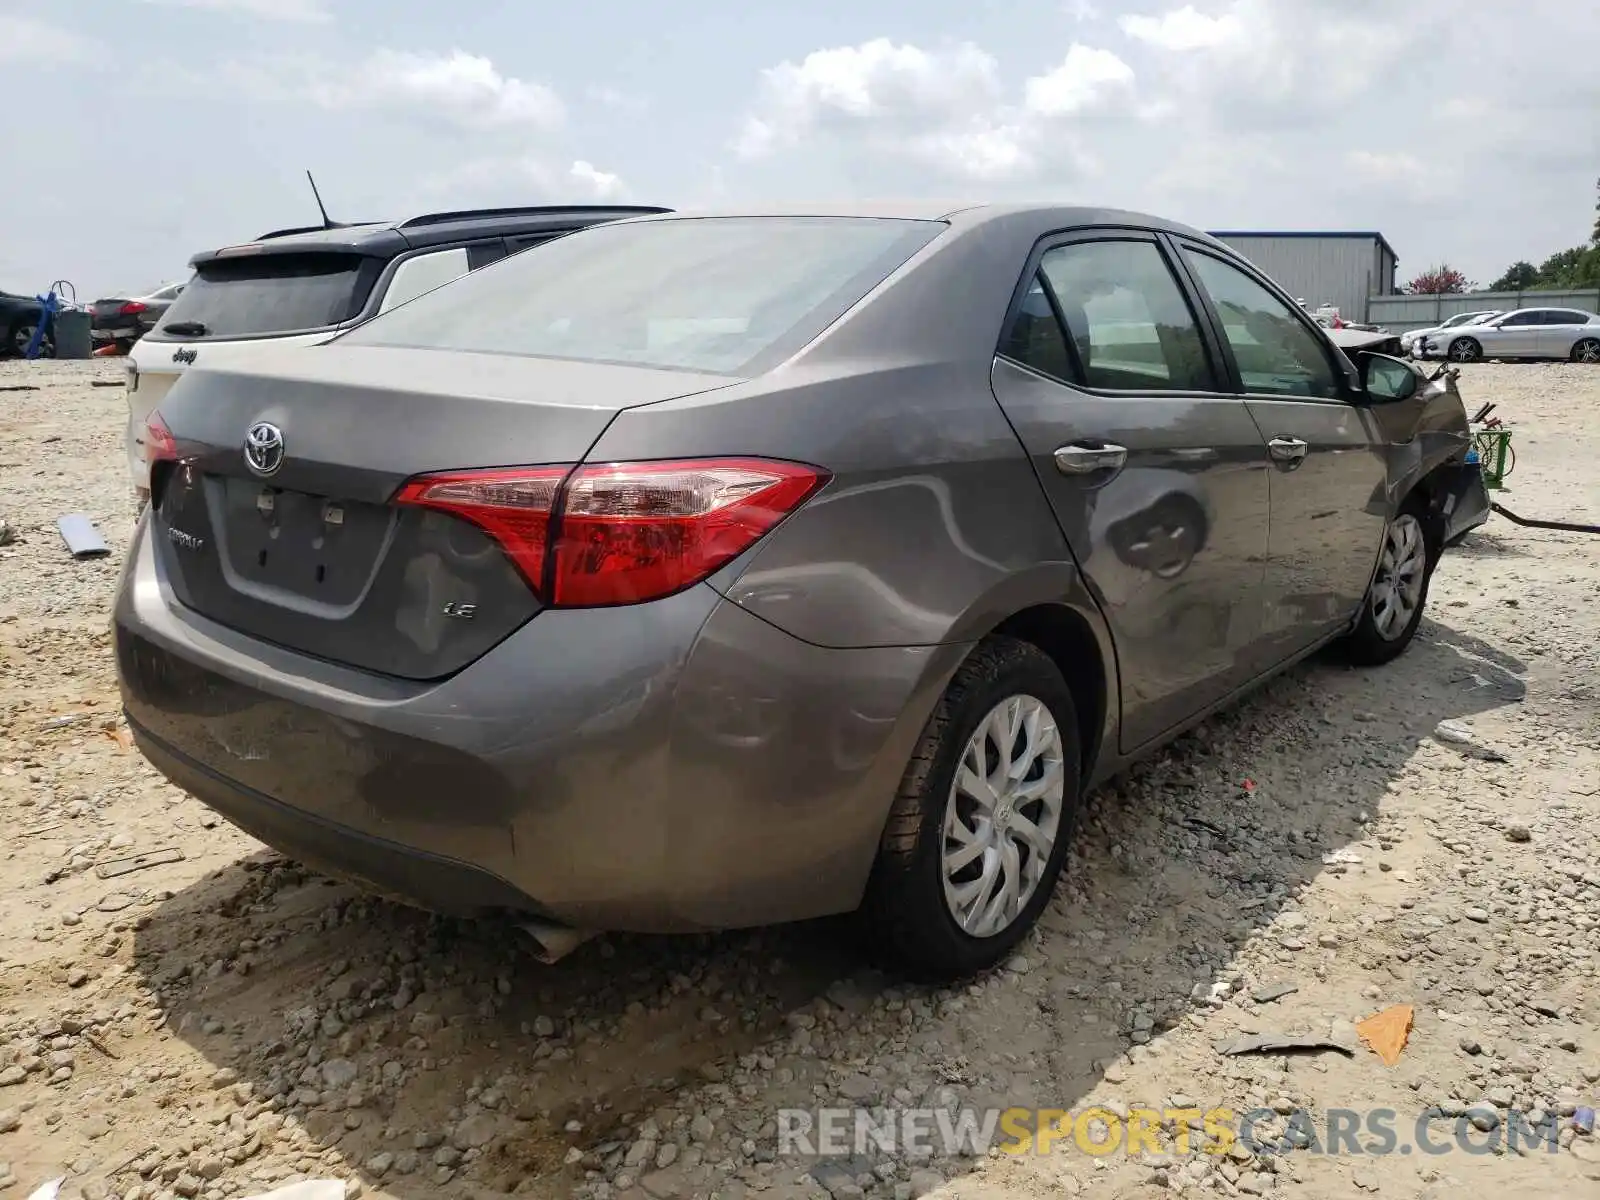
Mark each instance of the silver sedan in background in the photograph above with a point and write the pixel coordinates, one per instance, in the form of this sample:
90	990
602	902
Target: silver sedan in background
1409	338
1568	334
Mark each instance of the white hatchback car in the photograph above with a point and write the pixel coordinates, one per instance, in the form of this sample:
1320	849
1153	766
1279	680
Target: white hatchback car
298	287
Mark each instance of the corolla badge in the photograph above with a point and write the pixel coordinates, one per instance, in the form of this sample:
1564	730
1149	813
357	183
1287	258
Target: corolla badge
188	541
263	448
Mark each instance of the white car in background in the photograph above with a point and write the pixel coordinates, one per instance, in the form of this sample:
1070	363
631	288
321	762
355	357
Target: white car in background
1564	334
300	287
1409	338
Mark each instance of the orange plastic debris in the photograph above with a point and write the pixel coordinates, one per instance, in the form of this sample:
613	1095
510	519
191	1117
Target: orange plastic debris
1386	1032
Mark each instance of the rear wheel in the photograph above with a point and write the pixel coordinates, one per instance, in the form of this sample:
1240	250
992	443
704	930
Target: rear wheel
980	828
1392	610
1465	350
22	337
1587	351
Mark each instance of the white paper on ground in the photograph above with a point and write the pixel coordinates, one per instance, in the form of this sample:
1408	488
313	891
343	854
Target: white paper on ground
47	1191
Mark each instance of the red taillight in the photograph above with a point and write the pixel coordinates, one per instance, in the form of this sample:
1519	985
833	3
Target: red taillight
131	308
159	444
623	533
512	506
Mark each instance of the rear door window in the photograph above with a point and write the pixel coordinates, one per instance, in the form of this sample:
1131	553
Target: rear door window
1035	338
1561	316
1129	326
269	294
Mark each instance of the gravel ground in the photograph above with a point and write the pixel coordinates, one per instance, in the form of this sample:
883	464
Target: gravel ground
216	1025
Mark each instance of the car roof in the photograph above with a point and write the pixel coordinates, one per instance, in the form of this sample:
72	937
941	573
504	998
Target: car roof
960	215
386	239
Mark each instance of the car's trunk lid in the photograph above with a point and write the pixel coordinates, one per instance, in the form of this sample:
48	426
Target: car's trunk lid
313	555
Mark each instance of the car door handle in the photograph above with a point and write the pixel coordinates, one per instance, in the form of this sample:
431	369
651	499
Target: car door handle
1287	449
1089	460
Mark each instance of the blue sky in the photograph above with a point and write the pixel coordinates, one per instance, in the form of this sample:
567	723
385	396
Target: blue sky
1462	130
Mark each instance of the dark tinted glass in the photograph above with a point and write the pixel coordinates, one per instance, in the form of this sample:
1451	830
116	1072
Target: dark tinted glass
271	293
1035	338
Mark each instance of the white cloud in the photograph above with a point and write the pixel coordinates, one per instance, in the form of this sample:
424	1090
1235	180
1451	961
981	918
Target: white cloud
874	81
465	89
945	109
615	98
37	43
1084	78
597	184
1184	29
520	179
1269	63
309	11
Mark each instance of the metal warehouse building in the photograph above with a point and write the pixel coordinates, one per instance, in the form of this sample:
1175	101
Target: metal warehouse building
1341	269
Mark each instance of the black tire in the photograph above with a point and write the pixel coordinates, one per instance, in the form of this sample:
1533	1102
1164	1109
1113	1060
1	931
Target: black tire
1586	351
1366	644
905	917
22	333
1465	349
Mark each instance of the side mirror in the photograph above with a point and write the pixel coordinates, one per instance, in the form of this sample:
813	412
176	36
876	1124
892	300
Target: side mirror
1386	380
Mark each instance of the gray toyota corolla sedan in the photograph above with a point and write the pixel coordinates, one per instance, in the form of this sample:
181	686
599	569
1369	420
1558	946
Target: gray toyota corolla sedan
700	571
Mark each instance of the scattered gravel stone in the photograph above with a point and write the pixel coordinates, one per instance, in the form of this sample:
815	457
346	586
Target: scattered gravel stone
236	1021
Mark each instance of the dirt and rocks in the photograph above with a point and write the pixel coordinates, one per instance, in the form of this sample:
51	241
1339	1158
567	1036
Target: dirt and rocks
218	1021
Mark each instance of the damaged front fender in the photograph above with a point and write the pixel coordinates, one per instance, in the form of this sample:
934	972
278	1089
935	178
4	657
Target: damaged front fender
1429	437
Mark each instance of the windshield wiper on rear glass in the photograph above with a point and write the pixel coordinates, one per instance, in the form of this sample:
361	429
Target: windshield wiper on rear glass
186	328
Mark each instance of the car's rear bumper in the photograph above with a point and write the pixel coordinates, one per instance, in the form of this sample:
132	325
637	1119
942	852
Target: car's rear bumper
407	872
675	766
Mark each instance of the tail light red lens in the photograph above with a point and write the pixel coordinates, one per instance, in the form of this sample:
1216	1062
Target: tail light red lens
622	533
514	507
159	444
131	308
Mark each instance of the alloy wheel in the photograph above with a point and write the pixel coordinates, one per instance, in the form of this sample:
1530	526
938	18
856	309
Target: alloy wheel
1587	351
1464	350
1003	815
1397	590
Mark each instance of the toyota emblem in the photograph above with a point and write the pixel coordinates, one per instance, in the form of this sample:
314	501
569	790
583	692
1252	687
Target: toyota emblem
263	448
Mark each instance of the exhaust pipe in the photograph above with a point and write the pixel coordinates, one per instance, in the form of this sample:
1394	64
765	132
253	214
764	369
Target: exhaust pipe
554	942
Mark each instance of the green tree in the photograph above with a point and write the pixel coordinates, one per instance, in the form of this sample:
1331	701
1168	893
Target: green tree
1519	277
1578	267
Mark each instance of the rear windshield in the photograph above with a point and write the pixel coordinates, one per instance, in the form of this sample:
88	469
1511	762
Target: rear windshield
705	294
271	293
